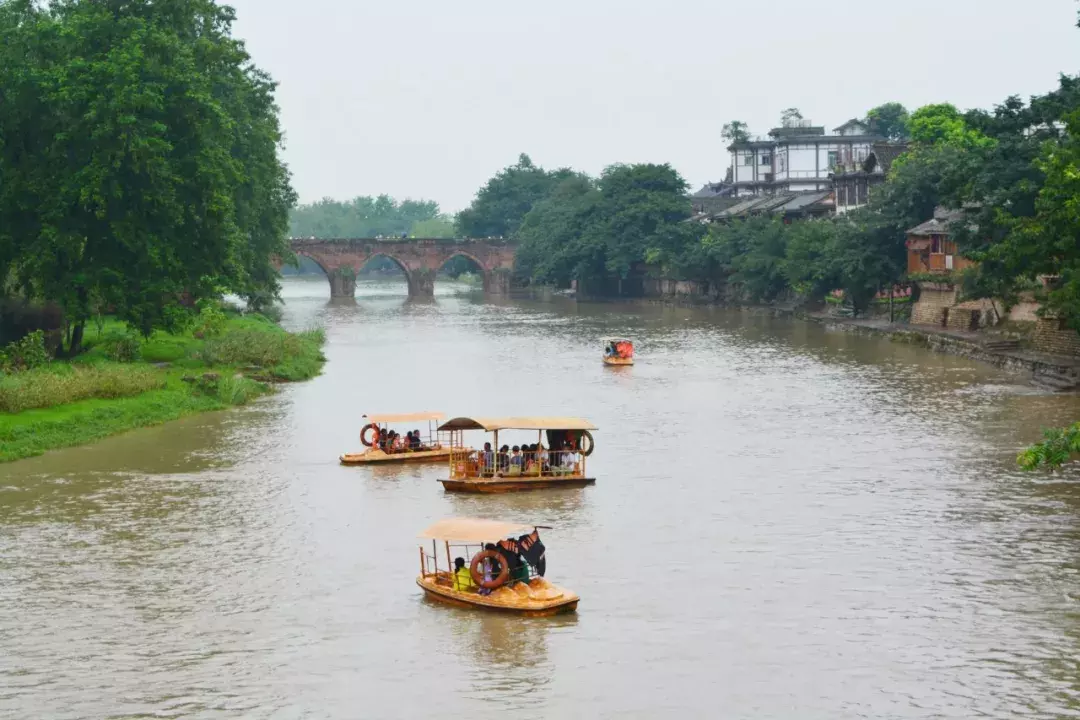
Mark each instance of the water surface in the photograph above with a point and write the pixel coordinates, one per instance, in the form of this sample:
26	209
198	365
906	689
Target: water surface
788	522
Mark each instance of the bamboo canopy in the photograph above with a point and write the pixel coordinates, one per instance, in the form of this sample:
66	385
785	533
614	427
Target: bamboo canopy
473	530
518	423
405	417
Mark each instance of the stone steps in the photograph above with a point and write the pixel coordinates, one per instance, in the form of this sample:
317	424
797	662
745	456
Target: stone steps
1001	345
1053	380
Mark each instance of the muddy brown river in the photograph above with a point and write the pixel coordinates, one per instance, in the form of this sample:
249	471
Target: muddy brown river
788	522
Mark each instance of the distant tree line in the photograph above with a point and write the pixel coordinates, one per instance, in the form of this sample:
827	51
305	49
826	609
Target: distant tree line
365	217
139	165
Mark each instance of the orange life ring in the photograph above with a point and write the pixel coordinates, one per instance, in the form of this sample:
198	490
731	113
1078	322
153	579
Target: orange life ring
374	438
585	435
477	571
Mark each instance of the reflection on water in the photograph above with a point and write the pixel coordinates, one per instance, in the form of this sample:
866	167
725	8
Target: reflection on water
785	517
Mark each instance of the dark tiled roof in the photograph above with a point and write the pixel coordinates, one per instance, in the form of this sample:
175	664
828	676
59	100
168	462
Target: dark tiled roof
939	224
887	152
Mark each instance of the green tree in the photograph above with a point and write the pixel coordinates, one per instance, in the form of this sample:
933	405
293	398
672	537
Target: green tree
362	217
558	240
735	131
889	120
437	227
790	117
140	158
502	204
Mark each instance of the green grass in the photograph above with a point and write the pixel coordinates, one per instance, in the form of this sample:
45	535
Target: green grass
92	397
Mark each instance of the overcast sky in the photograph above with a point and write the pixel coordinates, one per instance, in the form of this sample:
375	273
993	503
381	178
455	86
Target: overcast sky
429	98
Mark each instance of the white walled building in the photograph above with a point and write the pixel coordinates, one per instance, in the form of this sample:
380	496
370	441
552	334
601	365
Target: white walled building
799	158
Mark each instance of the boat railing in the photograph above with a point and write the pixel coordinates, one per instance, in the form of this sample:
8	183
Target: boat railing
430	565
467	462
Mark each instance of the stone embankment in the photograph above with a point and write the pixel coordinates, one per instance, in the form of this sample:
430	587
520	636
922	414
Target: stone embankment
1054	372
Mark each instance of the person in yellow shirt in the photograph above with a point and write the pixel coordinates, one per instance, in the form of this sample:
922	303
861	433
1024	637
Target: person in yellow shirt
462	577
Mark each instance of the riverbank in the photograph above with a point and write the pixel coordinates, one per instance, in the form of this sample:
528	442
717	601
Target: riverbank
122	383
1053	372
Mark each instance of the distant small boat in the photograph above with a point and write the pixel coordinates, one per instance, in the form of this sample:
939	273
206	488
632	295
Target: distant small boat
389	447
522	591
618	351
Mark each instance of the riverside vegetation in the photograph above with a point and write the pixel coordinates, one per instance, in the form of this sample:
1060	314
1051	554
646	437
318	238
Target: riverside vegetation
123	381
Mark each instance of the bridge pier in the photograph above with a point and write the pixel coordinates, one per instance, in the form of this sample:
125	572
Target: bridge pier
421	283
497	282
342	282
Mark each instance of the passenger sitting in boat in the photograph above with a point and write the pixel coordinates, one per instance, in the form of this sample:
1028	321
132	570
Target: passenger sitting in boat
462	577
409	440
516	461
570	459
542	459
487	460
519	572
609	351
384	441
416	444
504	459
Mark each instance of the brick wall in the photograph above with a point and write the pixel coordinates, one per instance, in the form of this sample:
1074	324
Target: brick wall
1051	336
930	309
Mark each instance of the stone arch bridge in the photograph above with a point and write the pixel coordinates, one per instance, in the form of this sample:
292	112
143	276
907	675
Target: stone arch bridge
419	258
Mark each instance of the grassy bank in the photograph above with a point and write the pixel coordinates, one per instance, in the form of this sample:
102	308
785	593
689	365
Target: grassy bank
122	383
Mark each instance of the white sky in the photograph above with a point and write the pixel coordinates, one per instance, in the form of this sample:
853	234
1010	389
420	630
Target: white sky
429	98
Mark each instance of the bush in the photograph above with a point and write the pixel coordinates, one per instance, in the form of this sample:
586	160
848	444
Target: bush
126	349
26	354
246	347
63	384
211	320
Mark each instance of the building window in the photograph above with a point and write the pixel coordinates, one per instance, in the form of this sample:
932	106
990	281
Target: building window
935	245
766	158
834	158
748	159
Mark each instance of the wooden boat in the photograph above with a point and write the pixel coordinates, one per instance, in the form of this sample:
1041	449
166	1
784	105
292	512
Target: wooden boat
561	465
618	351
377	427
530	595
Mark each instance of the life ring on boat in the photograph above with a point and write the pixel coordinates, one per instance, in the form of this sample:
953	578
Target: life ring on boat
477	571
375	435
586	451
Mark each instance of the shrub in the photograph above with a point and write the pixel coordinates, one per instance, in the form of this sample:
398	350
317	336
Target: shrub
25	354
126	349
246	347
211	320
63	384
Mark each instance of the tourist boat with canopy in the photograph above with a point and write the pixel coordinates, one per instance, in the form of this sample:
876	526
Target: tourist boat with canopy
490	565
618	351
528	466
388	446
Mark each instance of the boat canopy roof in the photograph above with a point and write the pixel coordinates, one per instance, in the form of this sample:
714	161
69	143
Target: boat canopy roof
474	530
517	423
405	417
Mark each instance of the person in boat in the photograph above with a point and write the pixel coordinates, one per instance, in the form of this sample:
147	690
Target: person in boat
504	459
409	441
570	459
417	444
487	460
462	577
609	350
542	460
512	556
384	441
516	461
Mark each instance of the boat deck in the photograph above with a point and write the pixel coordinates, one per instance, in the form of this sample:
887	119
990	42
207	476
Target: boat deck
537	598
376	457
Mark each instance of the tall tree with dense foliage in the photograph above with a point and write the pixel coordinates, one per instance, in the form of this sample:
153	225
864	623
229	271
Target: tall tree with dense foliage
889	121
502	204
735	131
140	160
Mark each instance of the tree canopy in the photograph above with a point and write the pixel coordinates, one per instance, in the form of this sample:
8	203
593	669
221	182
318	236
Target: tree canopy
138	159
502	204
889	120
366	216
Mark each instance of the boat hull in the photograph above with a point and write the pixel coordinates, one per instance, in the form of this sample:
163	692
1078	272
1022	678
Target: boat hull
516	484
378	457
448	596
618	361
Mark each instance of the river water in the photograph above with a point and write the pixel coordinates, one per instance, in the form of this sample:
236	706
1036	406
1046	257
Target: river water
788	522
